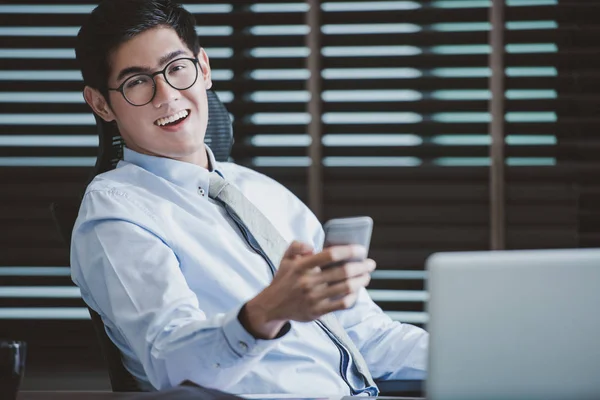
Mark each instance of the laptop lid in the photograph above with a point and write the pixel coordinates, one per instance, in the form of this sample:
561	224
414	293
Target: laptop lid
514	325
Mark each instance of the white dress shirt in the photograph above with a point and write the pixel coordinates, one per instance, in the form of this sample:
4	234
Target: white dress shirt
168	270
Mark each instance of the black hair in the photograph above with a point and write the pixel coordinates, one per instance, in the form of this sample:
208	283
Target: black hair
114	22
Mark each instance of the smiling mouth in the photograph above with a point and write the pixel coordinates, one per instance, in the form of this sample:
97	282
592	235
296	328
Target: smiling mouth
174	119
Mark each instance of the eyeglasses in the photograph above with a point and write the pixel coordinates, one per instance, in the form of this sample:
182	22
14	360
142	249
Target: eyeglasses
139	90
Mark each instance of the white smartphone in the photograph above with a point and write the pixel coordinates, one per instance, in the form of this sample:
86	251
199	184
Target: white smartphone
343	231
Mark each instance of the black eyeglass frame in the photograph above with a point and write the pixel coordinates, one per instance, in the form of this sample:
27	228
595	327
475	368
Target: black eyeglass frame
162	72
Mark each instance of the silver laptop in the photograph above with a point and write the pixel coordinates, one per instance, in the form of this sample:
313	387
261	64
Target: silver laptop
514	325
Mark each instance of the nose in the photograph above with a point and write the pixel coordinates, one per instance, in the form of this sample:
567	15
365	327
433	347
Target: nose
165	93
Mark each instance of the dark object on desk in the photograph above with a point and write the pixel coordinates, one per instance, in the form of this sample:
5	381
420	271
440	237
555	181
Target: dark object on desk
402	388
12	367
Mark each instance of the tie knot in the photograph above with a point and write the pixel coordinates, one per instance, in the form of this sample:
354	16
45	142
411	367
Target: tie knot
217	184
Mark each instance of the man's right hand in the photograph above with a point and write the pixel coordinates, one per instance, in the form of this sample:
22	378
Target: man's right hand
301	291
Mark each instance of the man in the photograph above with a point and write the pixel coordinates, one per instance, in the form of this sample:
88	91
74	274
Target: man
183	288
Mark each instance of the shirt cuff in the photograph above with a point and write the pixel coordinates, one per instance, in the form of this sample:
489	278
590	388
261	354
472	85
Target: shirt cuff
242	342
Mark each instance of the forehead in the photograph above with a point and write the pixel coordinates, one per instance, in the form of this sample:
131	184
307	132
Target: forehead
144	50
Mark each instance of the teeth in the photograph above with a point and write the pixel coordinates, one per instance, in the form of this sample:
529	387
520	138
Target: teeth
171	118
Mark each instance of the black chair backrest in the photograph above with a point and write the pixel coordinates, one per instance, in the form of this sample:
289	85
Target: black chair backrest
64	216
120	379
219	136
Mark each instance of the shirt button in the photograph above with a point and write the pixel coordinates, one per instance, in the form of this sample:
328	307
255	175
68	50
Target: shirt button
217	365
201	191
243	345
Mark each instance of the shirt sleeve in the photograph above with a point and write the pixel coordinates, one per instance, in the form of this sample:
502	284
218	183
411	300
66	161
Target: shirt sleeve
127	273
392	350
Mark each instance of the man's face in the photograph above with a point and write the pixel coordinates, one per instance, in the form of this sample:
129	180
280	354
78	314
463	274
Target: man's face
140	126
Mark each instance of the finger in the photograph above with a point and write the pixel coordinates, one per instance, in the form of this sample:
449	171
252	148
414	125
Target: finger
345	288
298	249
348	271
334	254
327	306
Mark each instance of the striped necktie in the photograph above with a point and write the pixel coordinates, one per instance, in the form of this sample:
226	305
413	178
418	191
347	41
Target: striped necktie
275	246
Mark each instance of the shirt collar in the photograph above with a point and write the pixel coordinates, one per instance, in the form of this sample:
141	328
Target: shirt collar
187	175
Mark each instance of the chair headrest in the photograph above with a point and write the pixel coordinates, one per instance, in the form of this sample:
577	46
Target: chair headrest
219	136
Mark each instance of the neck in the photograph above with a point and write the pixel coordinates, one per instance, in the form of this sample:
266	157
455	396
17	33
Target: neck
199	158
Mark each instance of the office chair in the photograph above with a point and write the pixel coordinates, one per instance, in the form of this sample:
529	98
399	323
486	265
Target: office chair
219	136
121	380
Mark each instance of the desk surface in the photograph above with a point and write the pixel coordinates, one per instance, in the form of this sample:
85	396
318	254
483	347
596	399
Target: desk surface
72	395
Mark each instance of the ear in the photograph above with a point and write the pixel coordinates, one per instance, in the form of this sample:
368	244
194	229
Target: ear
98	103
205	68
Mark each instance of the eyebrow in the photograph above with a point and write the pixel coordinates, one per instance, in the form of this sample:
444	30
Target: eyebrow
138	70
